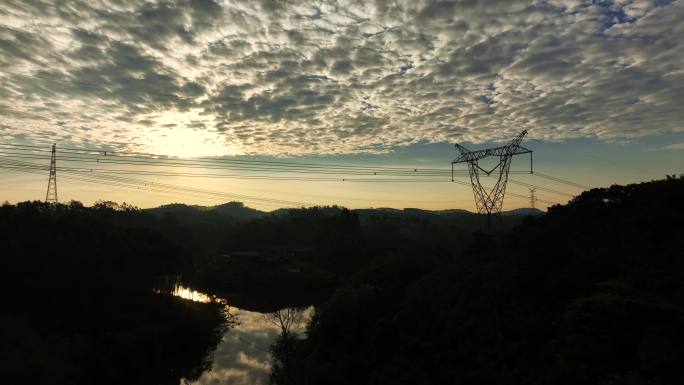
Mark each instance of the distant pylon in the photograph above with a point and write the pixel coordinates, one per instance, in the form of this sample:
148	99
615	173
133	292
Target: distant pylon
51	195
533	198
490	202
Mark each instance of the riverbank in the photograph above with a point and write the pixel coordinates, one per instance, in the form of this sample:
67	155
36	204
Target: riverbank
81	309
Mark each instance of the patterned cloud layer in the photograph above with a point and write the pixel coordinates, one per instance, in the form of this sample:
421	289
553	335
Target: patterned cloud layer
316	77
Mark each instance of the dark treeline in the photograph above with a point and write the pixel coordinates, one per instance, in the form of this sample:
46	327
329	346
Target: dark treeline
325	245
79	282
590	293
78	304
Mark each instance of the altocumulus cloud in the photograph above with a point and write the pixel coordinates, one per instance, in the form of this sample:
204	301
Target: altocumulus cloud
291	77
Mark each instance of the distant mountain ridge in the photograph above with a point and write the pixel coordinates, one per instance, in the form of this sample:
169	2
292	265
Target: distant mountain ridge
238	211
523	211
235	210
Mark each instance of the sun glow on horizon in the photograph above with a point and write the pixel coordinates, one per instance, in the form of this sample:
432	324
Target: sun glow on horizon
186	135
188	143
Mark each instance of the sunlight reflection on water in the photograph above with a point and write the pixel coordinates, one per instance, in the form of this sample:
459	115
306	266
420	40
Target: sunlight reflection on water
192	295
242	357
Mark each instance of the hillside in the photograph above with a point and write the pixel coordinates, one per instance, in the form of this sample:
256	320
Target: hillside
234	210
83	307
238	211
590	293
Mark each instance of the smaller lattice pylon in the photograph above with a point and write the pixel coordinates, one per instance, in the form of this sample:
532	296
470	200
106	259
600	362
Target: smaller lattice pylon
51	195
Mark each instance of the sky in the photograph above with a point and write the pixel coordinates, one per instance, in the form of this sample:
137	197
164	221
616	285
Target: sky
598	85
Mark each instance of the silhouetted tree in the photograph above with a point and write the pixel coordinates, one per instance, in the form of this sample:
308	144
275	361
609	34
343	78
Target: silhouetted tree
287	320
591	293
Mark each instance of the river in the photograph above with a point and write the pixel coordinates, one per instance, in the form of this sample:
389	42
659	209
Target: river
242	357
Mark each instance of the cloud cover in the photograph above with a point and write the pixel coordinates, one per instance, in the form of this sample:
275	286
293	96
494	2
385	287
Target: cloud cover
302	77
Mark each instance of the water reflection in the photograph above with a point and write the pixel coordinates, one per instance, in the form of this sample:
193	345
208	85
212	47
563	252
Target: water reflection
192	295
242	357
177	290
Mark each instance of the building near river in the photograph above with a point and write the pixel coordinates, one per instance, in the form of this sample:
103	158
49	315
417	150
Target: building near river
249	257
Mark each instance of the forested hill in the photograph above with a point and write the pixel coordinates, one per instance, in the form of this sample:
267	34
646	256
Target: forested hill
590	293
79	305
237	211
231	210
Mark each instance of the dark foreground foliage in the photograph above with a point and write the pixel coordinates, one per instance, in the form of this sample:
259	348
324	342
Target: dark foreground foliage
590	293
78	304
324	245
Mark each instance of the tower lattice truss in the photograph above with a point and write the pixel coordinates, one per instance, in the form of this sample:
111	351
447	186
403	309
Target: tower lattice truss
51	195
490	200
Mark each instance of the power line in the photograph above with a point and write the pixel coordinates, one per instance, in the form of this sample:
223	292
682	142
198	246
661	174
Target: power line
139	158
563	181
376	170
181	164
93	171
153	186
102	155
103	182
379	174
509	193
527	197
228	176
158	163
528	185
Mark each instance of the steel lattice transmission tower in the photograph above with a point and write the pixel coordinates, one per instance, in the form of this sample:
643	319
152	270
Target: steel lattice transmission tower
51	195
533	198
490	201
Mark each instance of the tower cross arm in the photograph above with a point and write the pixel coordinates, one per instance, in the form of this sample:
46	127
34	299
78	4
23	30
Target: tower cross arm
490	201
512	148
471	156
